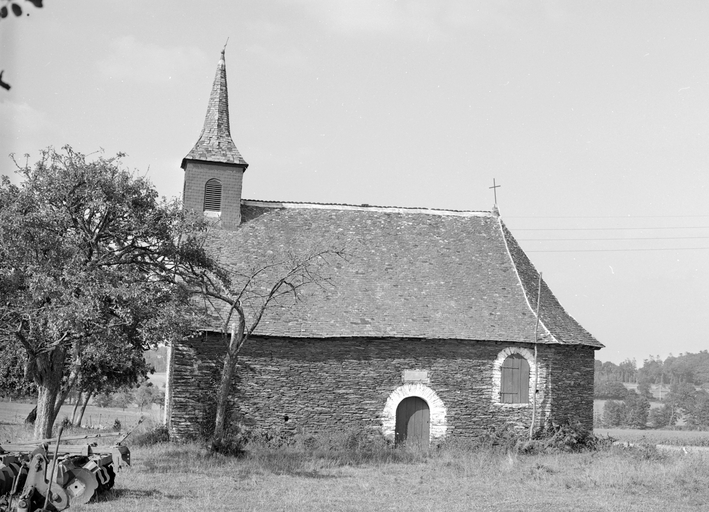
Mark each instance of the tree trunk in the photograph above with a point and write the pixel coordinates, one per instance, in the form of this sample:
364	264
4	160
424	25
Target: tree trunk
64	392
48	377
32	416
76	408
46	397
89	394
228	371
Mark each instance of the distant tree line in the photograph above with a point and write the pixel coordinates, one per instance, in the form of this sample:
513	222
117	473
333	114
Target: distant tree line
685	368
685	402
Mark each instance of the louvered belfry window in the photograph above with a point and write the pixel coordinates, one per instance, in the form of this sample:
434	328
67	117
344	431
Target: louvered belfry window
213	196
514	388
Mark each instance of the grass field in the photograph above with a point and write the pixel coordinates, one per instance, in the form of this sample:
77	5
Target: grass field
185	477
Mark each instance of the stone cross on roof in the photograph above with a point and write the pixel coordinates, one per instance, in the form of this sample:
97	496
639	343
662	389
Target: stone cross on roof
494	188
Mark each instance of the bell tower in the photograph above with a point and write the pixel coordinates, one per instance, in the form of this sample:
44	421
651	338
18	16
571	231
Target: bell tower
214	168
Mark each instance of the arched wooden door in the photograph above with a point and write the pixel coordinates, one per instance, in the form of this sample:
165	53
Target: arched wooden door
413	421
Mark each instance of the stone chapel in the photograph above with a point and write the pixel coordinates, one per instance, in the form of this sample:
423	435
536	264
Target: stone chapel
430	331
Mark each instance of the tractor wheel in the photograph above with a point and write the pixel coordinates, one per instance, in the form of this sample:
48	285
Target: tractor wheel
81	486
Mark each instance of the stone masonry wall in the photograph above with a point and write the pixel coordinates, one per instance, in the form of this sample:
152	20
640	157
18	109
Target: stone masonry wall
322	385
231	176
572	385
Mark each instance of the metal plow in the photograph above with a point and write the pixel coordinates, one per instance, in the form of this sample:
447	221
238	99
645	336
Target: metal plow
55	477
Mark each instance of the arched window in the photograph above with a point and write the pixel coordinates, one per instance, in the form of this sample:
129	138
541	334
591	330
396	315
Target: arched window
213	196
514	380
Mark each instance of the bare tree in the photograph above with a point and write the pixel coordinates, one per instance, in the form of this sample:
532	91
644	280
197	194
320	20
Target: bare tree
242	299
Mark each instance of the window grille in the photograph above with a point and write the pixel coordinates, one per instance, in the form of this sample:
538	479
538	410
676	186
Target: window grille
213	196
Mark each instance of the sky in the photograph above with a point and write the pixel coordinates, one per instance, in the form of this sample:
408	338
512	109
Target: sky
591	116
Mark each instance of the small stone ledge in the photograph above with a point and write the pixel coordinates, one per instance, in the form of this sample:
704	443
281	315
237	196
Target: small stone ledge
512	406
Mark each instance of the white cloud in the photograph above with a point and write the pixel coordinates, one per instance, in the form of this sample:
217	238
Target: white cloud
412	18
135	61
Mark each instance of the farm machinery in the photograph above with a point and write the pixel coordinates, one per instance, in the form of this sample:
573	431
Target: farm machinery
52	478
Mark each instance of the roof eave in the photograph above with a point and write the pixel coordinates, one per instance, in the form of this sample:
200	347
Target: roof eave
241	164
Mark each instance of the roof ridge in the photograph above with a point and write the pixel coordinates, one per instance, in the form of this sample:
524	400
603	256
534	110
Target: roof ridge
365	207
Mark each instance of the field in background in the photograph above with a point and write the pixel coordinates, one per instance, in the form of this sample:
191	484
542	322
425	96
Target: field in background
14	413
158	379
95	417
666	437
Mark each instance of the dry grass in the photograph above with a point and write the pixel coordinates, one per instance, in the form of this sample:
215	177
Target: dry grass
456	477
185	477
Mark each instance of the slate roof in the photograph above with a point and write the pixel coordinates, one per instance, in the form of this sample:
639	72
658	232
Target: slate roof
215	143
411	273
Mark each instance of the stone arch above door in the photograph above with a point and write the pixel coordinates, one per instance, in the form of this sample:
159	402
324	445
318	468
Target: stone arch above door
435	404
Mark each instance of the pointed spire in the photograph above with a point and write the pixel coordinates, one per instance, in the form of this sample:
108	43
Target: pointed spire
215	143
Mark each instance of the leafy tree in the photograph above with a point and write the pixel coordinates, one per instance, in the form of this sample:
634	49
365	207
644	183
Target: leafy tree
14	7
681	395
106	369
644	388
609	389
610	372
661	417
614	413
652	371
637	408
103	399
12	373
122	398
147	394
679	400
628	370
689	367
631	412
679	369
90	260
699	410
700	364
